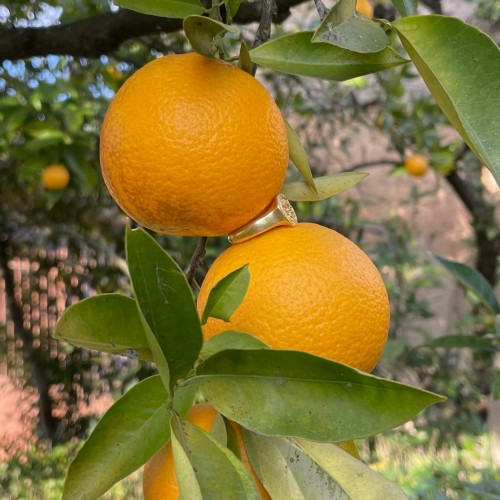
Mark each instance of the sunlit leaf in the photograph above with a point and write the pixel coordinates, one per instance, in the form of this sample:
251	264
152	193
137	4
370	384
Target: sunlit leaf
226	296
108	323
298	156
167	304
296	54
459	64
287	472
352	475
326	186
289	393
474	280
219	474
128	435
175	9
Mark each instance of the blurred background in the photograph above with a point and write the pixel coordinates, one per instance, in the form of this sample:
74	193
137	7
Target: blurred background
58	246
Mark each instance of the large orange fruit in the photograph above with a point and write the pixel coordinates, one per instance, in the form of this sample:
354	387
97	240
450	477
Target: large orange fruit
364	7
193	146
311	289
160	481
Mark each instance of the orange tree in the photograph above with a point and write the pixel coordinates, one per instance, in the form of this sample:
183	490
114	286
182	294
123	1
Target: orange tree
292	406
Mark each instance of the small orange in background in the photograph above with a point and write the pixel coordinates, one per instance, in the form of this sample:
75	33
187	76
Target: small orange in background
192	146
364	7
160	481
311	289
416	165
55	177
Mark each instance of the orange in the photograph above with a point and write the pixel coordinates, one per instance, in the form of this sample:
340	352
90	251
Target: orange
416	165
160	481
193	146
311	289
364	7
55	177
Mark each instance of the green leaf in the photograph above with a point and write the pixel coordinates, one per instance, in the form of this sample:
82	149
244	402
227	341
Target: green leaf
166	302
126	437
406	7
287	472
289	393
245	62
295	54
230	340
473	280
107	323
470	341
352	475
209	459
232	7
326	186
226	296
189	489
201	31
345	28
459	64
175	9
495	390
298	156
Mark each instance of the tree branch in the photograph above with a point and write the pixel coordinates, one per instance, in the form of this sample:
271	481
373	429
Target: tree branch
103	34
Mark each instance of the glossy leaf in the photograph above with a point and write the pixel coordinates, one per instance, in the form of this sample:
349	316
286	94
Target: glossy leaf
406	7
230	340
287	472
209	460
226	296
326	186
298	156
459	64
289	393
107	323
128	435
352	475
201	31
296	54
345	28
474	280
166	302
175	9
463	341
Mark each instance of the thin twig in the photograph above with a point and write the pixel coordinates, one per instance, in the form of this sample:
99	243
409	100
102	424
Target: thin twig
264	30
321	8
196	261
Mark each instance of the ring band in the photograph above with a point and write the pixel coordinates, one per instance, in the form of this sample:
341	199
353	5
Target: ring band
280	213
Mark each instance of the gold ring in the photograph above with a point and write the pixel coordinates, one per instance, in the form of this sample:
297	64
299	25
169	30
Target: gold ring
280	213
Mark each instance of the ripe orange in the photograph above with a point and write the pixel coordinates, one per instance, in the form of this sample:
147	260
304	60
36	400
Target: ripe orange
193	146
55	177
416	165
160	481
364	7
311	289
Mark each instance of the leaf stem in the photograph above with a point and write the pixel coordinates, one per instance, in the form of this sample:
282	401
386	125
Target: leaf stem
196	261
321	8
264	30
